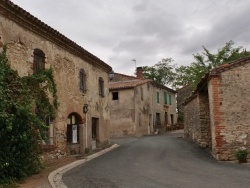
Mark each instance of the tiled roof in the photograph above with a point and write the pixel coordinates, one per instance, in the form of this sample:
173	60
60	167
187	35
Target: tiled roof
127	84
230	65
28	21
126	75
214	72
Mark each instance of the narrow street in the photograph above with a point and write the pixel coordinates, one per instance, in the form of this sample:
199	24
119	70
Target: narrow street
158	161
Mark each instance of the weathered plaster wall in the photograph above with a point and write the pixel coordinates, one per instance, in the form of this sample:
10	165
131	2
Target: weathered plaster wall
230	112
161	107
142	109
21	43
122	114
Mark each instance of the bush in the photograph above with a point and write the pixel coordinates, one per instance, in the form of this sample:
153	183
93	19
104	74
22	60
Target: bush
241	155
20	127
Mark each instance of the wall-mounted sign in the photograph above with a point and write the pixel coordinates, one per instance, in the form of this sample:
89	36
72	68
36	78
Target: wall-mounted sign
74	133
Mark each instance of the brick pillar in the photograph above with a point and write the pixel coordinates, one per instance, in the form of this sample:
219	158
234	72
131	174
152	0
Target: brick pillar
218	118
139	73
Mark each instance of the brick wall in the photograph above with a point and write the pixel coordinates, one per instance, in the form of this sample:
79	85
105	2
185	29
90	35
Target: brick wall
230	112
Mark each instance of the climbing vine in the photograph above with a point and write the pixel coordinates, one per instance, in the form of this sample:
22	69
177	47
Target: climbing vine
25	103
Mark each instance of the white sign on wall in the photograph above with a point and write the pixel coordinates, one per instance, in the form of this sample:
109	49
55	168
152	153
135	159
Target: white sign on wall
74	133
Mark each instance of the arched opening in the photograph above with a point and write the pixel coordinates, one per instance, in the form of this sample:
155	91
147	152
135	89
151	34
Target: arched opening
73	129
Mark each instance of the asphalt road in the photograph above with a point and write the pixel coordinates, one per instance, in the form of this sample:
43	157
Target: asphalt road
166	161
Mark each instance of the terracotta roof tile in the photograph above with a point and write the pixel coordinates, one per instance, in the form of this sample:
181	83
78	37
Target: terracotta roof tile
127	84
30	22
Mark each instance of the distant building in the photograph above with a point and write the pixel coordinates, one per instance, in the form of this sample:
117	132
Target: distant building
81	79
217	114
140	106
182	94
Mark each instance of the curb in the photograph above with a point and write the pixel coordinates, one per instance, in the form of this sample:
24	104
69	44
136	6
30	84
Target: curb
55	177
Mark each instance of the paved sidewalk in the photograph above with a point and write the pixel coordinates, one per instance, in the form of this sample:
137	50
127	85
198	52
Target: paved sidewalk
41	180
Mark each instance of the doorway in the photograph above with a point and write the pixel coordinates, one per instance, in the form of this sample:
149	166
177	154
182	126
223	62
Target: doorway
95	132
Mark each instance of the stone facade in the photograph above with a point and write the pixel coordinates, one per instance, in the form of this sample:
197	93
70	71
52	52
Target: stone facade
197	122
138	107
22	33
227	105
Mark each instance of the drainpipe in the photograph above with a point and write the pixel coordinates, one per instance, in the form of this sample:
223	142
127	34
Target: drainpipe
86	130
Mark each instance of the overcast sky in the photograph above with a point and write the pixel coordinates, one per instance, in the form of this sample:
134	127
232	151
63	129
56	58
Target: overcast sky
118	31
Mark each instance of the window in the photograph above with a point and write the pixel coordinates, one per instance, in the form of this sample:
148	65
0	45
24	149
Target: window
115	95
83	85
158	97
165	97
101	87
141	93
170	99
38	61
72	129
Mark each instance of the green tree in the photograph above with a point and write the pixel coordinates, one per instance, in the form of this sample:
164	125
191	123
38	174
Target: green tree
162	72
20	128
206	61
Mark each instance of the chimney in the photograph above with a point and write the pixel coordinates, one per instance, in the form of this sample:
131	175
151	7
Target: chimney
139	73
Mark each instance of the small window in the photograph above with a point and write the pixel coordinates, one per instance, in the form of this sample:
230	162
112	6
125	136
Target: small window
141	93
165	97
101	87
38	61
115	95
158	97
83	81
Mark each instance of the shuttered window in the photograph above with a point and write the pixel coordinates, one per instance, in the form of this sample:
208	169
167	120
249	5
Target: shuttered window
83	81
101	87
158	97
38	61
165	97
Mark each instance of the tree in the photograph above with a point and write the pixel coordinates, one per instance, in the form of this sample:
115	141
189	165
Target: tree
20	128
206	61
162	72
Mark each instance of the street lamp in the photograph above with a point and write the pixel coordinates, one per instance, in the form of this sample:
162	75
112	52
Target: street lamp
111	75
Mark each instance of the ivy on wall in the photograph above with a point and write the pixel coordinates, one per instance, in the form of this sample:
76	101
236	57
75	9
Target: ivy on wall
25	102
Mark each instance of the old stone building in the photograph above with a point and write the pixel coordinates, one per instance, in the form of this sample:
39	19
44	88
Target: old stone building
81	78
140	106
217	115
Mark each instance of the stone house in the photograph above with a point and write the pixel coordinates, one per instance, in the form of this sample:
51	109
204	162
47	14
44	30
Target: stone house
81	78
217	114
139	106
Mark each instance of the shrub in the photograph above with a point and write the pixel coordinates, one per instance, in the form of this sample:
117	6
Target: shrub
20	127
241	155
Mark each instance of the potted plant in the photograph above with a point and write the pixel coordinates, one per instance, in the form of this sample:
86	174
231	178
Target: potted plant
241	155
